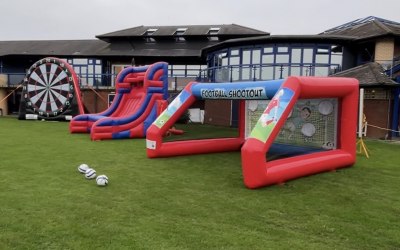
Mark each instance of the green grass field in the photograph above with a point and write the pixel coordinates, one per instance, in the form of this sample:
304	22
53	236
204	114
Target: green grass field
191	202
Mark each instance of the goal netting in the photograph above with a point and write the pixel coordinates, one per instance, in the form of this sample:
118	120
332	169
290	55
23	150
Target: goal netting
311	124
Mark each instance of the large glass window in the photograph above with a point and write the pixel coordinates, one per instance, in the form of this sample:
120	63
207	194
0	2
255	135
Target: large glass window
321	71
267	73
276	61
307	67
282	49
80	61
89	70
308	55
234	52
267	59
295	70
246	57
256	64
307	70
281	72
246	61
296	60
221	59
234	62
282	59
256	57
268	50
336	59
225	61
296	55
179	70
322	55
185	70
192	70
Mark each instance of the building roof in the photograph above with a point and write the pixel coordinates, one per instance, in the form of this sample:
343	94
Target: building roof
357	30
365	28
370	74
132	42
224	31
52	47
88	48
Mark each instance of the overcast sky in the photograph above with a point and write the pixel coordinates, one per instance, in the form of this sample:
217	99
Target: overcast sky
84	19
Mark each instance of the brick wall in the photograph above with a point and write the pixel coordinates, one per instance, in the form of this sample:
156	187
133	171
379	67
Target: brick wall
218	112
384	50
95	103
178	83
377	112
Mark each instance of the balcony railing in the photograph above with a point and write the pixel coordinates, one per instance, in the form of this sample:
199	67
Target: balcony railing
230	73
85	80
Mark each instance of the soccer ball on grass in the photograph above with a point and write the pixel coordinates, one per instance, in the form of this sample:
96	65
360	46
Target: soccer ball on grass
102	180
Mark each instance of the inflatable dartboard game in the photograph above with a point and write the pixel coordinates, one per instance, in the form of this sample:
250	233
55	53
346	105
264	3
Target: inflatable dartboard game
50	92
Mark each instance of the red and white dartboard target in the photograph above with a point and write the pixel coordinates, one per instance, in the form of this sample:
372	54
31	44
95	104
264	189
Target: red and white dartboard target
51	91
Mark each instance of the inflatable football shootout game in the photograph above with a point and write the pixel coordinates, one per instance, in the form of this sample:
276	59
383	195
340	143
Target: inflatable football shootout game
309	122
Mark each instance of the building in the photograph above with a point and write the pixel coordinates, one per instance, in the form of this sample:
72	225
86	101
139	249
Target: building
377	50
98	61
367	49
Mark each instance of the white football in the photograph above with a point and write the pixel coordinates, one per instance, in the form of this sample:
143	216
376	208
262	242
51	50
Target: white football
102	180
90	173
82	168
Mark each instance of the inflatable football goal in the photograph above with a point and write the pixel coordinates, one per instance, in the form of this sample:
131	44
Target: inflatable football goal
288	128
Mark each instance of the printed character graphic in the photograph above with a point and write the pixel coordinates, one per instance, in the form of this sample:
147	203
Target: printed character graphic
171	109
270	113
305	113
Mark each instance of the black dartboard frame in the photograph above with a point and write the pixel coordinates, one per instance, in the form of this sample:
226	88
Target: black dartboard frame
51	90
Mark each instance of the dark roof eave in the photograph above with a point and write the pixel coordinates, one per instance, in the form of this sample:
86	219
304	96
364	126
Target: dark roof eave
225	29
374	37
108	39
374	85
278	38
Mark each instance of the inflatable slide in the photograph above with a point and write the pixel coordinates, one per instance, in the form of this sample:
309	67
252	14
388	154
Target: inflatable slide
141	94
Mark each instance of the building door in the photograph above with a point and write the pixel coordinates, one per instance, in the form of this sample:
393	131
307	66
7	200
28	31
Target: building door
115	69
